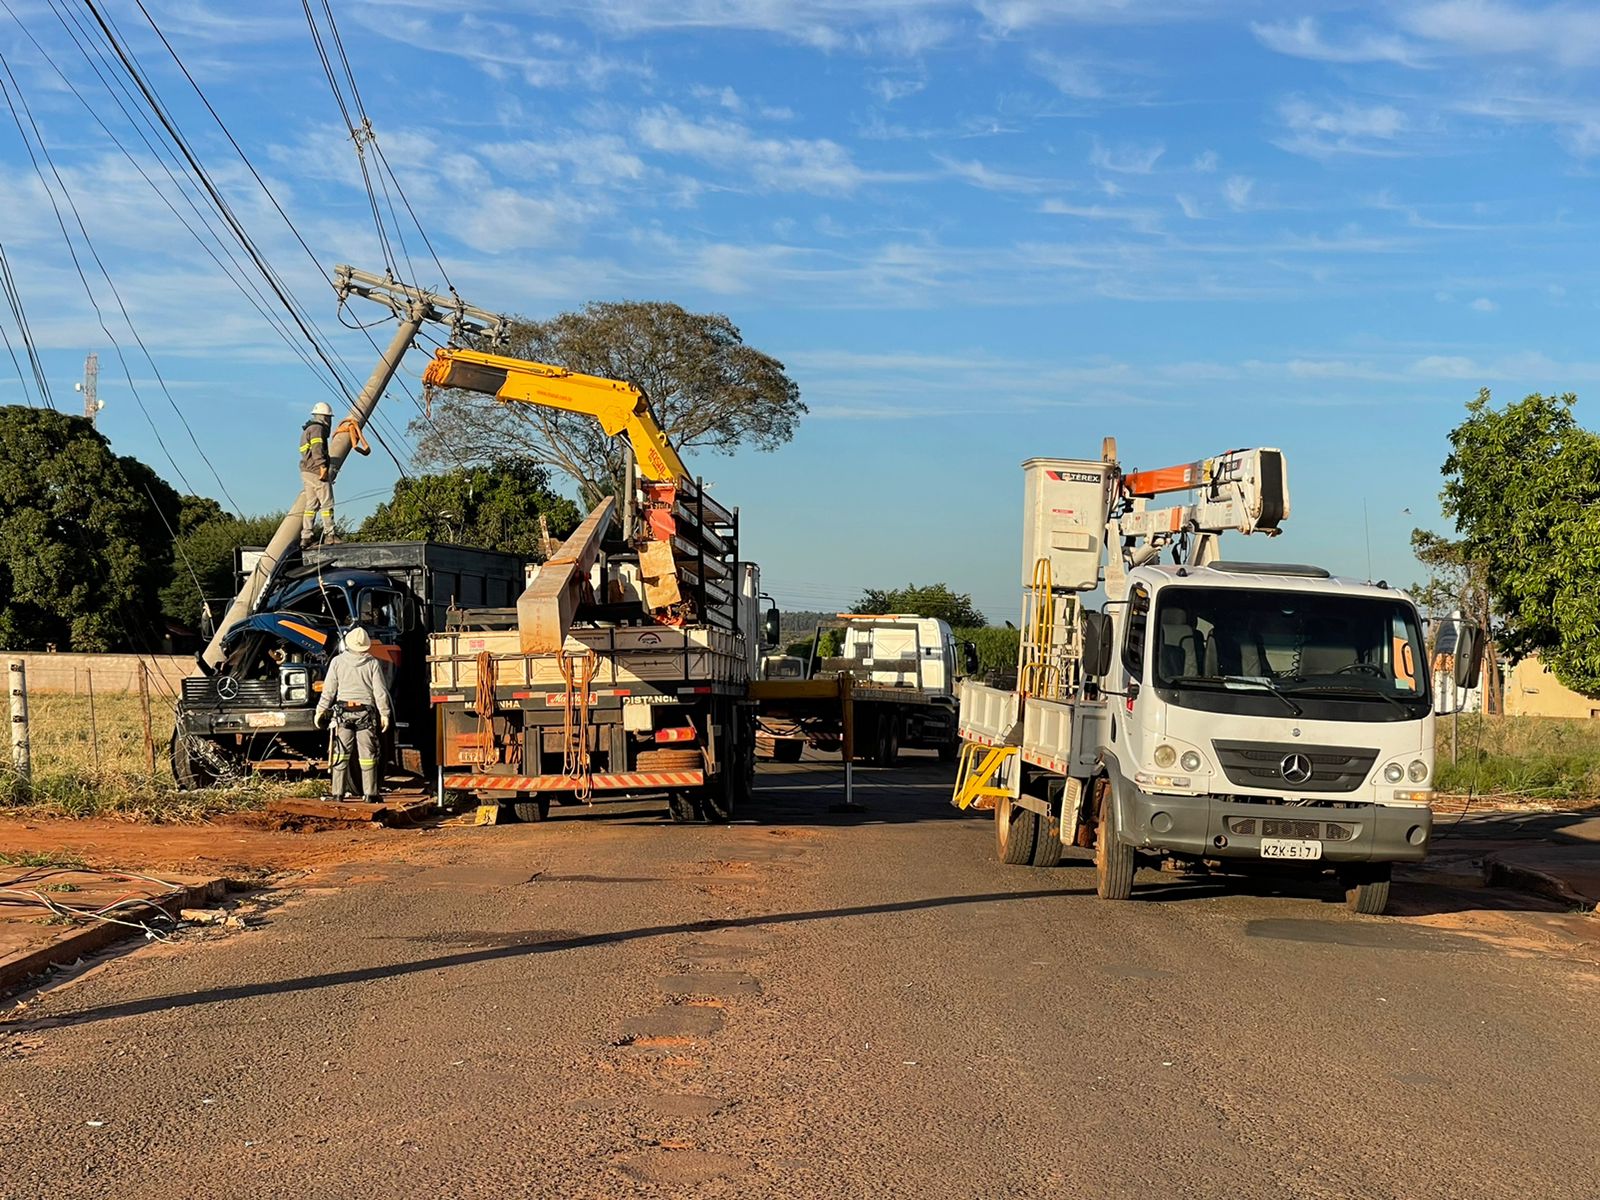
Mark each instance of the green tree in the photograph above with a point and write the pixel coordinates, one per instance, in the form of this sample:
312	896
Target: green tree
997	647
203	559
707	388
926	600
1523	487
496	506
84	541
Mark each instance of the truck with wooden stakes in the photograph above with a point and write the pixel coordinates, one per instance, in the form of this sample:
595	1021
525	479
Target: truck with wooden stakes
1211	714
624	667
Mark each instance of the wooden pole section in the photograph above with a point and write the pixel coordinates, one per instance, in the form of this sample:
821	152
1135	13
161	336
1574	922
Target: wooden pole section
21	750
144	708
94	729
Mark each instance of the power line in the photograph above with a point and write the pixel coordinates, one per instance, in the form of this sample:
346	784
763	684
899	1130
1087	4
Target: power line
20	316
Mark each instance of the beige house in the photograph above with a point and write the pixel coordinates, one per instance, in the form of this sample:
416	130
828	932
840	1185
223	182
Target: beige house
1532	691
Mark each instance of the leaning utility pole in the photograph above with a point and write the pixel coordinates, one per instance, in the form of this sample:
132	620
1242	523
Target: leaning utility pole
413	306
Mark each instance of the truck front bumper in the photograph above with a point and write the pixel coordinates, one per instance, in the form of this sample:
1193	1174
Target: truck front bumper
1233	827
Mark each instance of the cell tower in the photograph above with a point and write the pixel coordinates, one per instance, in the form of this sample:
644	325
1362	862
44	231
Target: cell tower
90	387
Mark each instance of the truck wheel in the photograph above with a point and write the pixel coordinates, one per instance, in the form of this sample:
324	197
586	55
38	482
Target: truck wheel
1015	831
787	750
189	770
1113	861
1046	843
536	809
682	808
1366	888
887	752
949	750
722	790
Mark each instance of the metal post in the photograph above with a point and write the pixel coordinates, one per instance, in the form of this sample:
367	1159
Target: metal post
21	751
413	306
144	709
94	729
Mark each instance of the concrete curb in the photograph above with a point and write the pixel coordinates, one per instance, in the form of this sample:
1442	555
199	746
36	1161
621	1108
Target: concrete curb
81	940
1499	873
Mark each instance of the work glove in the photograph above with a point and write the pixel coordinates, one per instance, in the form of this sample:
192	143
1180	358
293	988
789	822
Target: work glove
383	724
321	719
322	473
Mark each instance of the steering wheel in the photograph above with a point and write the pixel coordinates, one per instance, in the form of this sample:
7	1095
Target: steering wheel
1361	668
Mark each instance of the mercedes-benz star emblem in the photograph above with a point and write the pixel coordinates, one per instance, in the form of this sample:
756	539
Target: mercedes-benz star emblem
1295	768
227	688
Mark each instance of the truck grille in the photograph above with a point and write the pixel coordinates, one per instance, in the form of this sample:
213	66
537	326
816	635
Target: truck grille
224	691
1262	765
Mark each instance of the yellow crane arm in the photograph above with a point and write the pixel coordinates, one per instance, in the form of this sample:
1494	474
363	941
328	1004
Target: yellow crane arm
620	407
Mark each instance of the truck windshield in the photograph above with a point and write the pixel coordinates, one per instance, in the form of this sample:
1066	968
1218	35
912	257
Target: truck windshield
1320	651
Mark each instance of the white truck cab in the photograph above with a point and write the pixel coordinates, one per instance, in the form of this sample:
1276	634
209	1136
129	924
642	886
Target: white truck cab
1269	711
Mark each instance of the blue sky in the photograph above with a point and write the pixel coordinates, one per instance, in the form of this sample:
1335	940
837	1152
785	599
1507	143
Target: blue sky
974	232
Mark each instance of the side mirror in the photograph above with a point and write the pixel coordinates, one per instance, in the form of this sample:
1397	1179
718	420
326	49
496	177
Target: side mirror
769	628
969	658
1096	644
1468	656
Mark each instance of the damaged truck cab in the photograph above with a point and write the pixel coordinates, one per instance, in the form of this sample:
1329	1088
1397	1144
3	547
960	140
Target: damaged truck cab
255	711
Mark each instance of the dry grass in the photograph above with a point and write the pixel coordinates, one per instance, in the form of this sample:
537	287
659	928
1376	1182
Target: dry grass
99	768
1533	758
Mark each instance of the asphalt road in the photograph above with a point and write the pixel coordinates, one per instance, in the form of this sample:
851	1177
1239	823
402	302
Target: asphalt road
813	1005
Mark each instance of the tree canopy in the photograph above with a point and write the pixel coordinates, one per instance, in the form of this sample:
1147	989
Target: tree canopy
85	545
1523	487
203	560
926	600
496	505
708	389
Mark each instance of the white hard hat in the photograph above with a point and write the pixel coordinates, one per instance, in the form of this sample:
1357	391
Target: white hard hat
320	409
358	641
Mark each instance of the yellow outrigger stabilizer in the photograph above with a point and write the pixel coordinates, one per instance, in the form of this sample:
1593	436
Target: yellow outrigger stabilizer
975	770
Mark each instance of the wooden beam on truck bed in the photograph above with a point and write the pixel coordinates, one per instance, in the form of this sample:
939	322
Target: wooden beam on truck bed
547	606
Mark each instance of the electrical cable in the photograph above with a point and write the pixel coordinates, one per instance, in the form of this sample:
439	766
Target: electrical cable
24	331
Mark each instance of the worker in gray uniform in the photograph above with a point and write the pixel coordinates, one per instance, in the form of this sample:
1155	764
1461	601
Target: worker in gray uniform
316	479
356	698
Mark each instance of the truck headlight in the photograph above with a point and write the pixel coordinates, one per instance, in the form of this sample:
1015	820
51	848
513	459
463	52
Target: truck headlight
1394	773
1191	761
1417	771
294	685
1165	756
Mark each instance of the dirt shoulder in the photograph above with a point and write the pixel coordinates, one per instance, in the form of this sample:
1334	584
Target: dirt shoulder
238	845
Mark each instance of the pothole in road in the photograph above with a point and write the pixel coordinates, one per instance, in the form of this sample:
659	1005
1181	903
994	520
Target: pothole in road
684	1167
682	1104
725	947
677	1021
710	983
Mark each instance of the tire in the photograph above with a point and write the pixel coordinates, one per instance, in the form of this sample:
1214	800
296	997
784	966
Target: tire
1016	829
1366	888
681	807
1046	842
534	810
190	771
949	750
1113	860
787	750
886	753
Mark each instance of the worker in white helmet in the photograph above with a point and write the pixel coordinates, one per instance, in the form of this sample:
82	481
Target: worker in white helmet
316	497
355	697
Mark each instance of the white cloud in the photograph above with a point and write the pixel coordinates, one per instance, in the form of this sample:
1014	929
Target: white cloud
990	180
889	88
1206	162
1446	366
1127	159
1347	129
1190	207
1484	305
1303	39
1079	78
1145	220
1237	190
1568	34
776	164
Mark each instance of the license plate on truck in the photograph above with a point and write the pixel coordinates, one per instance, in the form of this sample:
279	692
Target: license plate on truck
1290	848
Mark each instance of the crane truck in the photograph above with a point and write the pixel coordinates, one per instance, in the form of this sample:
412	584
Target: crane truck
1210	712
624	666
